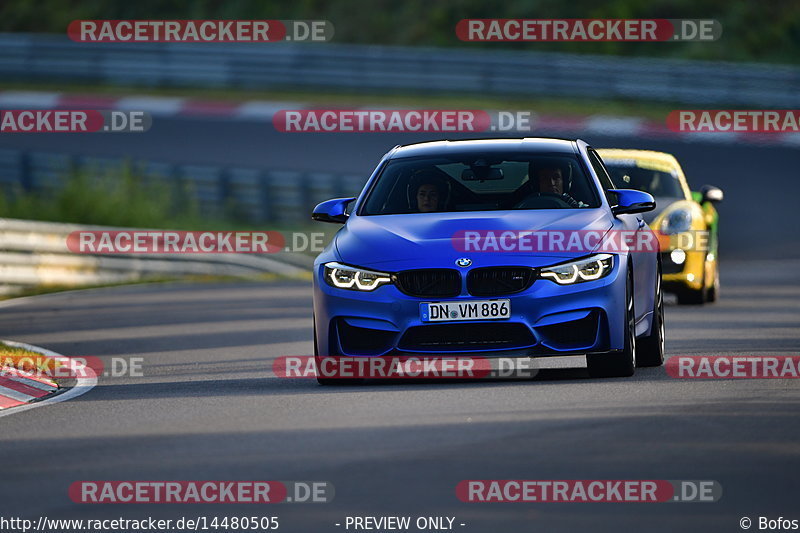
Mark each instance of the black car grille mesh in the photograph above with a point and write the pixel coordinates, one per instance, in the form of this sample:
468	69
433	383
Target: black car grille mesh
582	332
497	281
431	282
467	337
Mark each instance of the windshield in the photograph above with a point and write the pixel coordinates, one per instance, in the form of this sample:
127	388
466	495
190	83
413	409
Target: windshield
627	175
480	182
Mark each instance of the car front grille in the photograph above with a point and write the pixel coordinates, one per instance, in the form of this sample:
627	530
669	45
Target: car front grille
466	337
429	283
498	281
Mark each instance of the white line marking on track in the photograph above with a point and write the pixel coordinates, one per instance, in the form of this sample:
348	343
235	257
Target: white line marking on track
28	99
256	109
15	395
33	383
157	105
606	125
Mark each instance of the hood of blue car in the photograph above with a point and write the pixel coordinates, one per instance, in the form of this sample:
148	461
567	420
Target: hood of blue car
425	240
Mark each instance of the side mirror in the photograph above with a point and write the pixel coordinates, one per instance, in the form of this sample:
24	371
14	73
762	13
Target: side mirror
332	211
709	193
632	201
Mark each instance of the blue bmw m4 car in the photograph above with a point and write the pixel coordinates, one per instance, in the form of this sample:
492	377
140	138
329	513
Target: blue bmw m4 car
492	247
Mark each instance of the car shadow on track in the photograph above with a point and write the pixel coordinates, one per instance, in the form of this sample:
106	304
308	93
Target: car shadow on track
274	386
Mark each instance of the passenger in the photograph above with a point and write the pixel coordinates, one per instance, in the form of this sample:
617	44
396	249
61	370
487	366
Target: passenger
427	198
427	192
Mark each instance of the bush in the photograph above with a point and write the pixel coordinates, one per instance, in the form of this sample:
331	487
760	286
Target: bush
109	199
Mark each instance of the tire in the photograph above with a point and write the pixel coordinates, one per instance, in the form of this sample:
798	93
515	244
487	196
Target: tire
713	292
687	296
650	348
691	297
329	382
618	364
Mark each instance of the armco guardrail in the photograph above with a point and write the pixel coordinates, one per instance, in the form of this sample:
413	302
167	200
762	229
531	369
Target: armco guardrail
329	66
35	254
275	196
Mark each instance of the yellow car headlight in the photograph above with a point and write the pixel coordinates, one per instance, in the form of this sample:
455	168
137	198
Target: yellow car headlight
676	221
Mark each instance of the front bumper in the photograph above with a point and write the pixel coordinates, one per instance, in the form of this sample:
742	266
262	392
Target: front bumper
688	274
546	320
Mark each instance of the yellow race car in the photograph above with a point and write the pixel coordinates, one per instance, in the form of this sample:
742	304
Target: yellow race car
685	221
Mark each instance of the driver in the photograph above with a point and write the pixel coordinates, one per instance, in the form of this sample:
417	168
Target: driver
553	177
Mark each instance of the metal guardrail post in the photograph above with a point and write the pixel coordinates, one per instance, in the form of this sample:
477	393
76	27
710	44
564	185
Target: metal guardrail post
25	172
35	253
286	196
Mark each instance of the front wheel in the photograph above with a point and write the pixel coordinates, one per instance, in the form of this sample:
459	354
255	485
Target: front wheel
689	296
650	349
618	364
713	291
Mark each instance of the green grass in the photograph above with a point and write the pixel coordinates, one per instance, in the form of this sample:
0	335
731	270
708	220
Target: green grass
27	360
117	198
121	198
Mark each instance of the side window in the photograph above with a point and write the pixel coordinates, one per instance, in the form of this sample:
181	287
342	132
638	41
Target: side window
602	174
600	170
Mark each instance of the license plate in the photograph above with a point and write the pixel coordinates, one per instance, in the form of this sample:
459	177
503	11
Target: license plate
466	310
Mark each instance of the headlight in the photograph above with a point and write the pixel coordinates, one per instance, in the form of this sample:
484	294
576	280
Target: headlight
677	221
355	279
588	269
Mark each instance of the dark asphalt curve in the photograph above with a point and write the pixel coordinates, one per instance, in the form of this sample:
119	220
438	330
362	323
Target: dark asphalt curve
208	407
758	216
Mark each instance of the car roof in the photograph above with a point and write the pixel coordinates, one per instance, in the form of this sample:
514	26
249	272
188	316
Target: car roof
659	158
649	159
526	144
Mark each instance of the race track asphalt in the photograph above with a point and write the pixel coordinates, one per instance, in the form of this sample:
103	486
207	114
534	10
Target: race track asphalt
209	407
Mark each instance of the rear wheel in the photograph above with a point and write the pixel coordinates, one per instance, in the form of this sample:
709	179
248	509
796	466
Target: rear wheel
650	349
620	363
